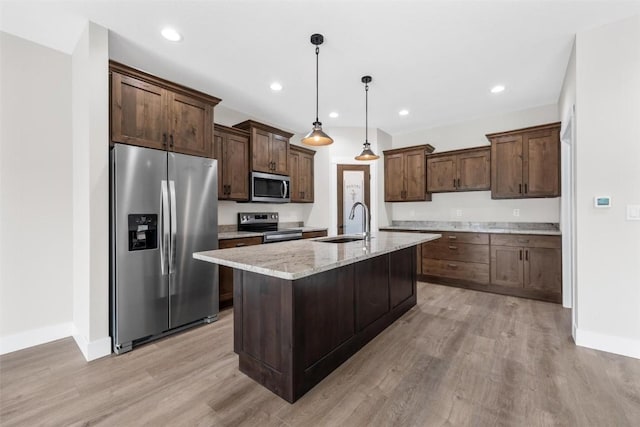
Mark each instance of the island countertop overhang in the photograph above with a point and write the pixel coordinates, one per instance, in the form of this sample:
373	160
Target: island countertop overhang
296	259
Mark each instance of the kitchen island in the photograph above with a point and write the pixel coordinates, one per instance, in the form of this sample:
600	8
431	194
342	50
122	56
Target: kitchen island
302	308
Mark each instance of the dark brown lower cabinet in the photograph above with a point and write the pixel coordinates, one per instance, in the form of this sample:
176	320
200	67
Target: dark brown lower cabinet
527	265
225	274
290	334
522	265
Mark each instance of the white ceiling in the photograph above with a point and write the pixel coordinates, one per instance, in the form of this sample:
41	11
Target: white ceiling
438	59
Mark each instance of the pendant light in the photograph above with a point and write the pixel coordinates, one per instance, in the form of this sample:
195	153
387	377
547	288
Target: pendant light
317	137
366	154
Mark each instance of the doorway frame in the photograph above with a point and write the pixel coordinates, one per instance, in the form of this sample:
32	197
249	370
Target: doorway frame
340	196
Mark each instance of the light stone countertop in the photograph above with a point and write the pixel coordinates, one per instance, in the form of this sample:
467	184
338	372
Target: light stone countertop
241	234
300	258
541	228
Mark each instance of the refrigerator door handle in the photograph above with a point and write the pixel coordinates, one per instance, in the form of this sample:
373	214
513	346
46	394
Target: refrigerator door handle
174	227
164	241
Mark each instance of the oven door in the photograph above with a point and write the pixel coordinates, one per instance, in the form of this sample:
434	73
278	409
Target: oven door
269	188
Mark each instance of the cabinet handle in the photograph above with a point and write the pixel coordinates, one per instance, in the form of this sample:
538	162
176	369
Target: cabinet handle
228	189
526	255
239	245
164	139
526	190
454	183
523	240
171	140
453	248
520	188
520	254
458	182
303	194
452	237
452	266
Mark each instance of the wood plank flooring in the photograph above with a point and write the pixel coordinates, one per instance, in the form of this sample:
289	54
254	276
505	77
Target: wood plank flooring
458	358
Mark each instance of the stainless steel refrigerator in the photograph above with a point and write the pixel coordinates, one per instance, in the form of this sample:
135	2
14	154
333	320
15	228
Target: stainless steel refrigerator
163	209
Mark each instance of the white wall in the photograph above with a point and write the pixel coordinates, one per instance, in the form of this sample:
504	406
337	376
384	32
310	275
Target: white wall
608	163
477	206
90	124
35	194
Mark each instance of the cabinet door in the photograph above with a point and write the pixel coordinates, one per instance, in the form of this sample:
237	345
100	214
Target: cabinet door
542	163
507	266
372	290
306	180
543	269
441	175
138	112
393	177
236	167
295	176
415	184
401	284
218	145
280	154
506	167
191	123
261	151
474	170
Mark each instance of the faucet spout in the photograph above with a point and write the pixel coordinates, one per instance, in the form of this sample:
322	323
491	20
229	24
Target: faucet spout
366	216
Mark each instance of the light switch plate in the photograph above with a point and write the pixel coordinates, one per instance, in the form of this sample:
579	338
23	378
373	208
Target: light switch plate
633	212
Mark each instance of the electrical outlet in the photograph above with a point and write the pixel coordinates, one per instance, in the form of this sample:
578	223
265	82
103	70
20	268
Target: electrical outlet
458	212
516	212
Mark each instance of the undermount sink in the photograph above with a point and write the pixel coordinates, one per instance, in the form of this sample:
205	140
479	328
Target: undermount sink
341	239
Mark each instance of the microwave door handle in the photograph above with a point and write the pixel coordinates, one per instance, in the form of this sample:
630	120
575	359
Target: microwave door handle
174	226
164	223
284	189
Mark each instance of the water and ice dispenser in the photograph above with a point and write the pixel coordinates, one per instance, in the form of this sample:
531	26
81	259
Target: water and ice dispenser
143	231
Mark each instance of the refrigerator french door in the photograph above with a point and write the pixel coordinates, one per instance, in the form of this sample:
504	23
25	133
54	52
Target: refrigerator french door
163	209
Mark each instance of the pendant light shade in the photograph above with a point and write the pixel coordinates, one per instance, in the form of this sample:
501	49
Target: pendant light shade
317	137
367	153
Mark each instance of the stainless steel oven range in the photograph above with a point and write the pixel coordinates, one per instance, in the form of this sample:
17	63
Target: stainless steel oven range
266	223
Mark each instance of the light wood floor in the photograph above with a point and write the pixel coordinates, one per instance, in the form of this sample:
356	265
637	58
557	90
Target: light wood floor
458	358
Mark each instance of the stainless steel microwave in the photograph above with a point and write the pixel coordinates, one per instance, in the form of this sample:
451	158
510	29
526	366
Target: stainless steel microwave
269	188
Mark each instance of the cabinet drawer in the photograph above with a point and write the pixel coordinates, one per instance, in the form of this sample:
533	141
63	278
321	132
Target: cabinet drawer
462	237
455	251
235	243
474	272
531	241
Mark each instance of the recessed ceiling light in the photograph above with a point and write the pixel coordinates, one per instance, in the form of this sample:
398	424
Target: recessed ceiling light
275	86
403	112
497	89
171	34
333	114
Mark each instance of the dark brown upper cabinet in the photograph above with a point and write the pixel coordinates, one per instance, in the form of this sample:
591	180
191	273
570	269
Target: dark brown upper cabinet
405	174
301	173
526	162
460	170
231	149
151	112
269	147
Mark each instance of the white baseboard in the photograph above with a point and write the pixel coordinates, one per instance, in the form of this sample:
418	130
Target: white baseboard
34	337
92	350
611	344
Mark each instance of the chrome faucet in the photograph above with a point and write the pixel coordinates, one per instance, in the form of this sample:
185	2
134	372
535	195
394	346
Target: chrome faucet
366	216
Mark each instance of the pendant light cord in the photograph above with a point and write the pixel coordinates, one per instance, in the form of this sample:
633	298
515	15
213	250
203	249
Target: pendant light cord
366	113
317	52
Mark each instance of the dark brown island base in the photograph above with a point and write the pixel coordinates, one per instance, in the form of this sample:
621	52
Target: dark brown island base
290	333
